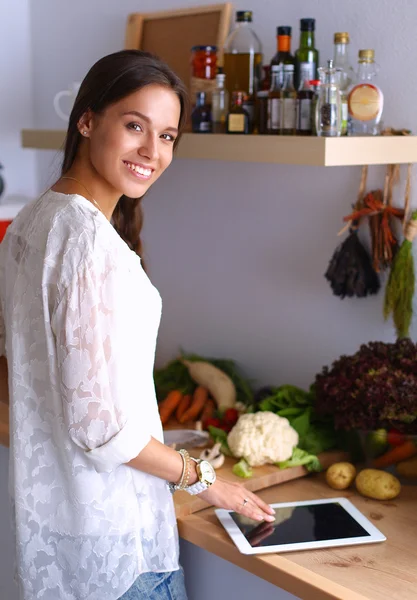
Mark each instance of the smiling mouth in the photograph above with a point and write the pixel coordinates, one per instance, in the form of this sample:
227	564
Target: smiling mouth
139	172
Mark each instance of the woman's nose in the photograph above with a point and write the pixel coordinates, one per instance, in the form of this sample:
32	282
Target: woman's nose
148	147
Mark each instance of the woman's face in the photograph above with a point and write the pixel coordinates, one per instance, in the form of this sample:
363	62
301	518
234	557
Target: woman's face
131	142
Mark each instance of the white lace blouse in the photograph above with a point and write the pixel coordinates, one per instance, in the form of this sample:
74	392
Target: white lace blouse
78	324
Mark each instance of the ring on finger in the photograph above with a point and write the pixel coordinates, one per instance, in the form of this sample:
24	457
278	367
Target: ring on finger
245	501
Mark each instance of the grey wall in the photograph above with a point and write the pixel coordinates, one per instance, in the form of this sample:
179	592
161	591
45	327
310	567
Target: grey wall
16	102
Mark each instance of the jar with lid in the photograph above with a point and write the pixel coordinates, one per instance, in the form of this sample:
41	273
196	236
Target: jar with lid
203	71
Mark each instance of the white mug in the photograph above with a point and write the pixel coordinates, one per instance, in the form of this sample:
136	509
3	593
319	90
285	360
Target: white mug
70	93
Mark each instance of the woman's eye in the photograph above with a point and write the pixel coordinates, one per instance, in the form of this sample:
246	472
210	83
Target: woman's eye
168	137
135	126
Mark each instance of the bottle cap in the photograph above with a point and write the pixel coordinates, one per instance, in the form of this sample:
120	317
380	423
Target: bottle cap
342	37
244	16
307	24
221	77
204	49
238	97
314	82
284	30
366	56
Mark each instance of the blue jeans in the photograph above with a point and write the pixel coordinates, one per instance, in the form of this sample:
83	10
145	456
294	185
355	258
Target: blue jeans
158	586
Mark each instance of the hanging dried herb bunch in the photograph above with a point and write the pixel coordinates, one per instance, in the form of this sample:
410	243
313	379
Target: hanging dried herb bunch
377	206
350	272
401	283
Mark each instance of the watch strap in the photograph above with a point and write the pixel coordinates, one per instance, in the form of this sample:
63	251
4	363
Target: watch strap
196	488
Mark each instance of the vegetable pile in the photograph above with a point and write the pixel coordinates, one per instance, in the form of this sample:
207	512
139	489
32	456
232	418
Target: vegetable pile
277	425
374	388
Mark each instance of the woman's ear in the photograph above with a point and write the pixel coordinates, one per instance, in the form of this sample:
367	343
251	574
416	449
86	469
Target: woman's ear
85	124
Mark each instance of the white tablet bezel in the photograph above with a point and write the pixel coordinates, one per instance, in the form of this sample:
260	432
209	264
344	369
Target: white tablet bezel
245	548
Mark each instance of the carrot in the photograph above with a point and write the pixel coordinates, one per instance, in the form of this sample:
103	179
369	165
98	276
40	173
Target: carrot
183	406
169	404
208	410
199	399
395	455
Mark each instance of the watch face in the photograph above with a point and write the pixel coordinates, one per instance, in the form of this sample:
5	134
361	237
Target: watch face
208	474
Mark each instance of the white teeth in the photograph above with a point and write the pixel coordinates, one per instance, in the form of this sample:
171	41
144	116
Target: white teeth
141	170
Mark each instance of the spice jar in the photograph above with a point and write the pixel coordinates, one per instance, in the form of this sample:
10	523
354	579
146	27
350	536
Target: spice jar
203	70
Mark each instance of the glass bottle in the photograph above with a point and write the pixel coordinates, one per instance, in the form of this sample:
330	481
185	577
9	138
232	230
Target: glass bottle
314	86
329	103
274	100
365	100
203	70
306	54
242	58
288	102
283	55
305	97
201	115
220	104
238	118
261	106
347	75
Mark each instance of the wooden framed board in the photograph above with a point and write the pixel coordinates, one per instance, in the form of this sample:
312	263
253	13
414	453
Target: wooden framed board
171	34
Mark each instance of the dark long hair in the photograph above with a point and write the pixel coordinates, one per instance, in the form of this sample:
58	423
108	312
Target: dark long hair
112	78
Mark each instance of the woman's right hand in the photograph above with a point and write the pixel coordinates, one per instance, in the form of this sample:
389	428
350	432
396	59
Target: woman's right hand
232	496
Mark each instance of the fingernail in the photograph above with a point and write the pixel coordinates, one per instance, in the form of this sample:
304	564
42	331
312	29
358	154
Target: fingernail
272	511
269	518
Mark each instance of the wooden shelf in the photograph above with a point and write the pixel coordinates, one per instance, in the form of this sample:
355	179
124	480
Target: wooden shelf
285	150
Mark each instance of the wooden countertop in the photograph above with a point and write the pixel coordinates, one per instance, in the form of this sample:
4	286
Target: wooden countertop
371	572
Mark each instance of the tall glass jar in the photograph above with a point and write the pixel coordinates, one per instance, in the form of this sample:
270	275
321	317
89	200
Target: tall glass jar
329	103
347	75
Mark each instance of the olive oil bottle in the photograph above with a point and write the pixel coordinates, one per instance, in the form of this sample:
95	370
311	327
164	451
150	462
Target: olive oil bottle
242	57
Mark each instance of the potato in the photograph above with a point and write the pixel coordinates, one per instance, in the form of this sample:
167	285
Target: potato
377	484
340	475
408	468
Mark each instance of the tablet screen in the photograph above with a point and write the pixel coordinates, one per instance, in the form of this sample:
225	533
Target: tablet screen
298	524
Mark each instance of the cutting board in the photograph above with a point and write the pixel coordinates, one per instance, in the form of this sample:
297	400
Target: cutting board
263	477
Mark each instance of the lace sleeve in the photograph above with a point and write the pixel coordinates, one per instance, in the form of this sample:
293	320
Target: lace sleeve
95	403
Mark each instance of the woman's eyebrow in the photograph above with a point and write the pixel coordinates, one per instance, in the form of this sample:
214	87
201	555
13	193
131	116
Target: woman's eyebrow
136	113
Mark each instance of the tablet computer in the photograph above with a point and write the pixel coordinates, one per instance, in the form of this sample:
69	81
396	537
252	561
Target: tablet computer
303	525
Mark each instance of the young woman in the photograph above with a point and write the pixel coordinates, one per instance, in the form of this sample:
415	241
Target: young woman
89	472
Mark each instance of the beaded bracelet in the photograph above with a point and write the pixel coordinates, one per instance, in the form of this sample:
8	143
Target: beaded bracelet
185	477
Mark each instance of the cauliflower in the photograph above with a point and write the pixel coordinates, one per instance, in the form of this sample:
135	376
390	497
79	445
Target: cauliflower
262	438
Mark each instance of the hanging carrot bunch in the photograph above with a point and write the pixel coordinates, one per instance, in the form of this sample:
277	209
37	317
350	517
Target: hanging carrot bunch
350	271
401	283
